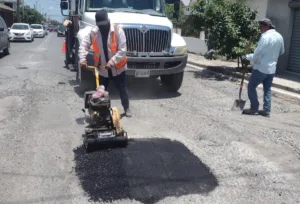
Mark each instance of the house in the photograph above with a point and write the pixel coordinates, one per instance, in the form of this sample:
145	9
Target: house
7	14
285	15
11	3
185	4
10	8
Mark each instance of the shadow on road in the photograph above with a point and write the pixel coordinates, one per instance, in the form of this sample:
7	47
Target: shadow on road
148	170
138	89
211	75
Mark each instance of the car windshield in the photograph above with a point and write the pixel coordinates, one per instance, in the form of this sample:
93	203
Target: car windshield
20	27
151	7
36	27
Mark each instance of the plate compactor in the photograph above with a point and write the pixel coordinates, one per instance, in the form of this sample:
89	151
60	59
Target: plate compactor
104	122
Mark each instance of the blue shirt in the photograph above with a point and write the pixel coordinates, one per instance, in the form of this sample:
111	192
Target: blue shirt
265	56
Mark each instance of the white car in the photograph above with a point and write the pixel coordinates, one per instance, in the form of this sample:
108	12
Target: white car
20	32
38	30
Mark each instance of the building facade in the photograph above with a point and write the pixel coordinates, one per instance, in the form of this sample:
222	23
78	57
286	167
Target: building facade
285	15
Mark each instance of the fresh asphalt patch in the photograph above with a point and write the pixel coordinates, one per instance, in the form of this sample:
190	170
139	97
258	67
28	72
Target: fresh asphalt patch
148	170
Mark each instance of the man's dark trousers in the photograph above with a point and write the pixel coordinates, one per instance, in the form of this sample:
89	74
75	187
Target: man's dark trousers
120	84
257	78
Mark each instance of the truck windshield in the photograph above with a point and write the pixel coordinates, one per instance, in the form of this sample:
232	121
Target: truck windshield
151	7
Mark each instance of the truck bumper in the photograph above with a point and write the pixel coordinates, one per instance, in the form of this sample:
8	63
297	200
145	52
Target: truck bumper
157	65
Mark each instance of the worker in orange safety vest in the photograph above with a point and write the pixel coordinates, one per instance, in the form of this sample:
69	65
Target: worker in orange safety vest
108	41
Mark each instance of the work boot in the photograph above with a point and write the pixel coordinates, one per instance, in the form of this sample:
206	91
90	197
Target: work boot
264	113
250	112
128	113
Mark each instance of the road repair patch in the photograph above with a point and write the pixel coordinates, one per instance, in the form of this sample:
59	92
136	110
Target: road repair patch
148	170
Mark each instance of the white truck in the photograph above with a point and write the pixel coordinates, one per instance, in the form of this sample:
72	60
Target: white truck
153	49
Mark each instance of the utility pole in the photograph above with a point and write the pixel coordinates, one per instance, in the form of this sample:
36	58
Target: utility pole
18	11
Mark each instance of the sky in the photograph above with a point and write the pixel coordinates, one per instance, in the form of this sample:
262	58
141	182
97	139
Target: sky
50	7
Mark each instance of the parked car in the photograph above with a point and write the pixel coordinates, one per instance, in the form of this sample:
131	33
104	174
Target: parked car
61	31
45	29
21	32
4	37
38	30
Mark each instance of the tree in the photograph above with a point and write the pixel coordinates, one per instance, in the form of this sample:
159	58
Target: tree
55	22
184	22
31	16
169	8
228	26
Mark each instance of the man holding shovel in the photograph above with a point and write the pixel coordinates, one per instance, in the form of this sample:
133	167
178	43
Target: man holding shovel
264	60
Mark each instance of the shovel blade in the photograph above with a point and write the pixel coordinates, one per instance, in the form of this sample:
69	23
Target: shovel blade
238	105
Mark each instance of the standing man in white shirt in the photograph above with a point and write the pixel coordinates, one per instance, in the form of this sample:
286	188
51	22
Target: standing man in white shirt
264	60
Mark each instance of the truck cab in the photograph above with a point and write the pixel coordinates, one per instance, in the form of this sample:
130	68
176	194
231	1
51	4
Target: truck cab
153	49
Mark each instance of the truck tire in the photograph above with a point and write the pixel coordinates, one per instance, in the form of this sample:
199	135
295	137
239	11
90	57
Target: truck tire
172	82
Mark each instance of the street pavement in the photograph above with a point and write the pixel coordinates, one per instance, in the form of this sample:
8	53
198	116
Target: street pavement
185	148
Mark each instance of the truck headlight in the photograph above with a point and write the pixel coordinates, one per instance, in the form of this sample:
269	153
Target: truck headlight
182	50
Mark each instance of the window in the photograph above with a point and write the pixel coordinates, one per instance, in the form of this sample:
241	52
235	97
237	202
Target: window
20	27
36	27
1	23
151	7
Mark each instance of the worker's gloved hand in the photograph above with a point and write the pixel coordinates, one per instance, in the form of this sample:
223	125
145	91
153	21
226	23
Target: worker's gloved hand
244	60
108	66
83	65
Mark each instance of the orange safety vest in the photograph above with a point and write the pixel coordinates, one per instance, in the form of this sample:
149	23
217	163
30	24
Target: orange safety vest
113	49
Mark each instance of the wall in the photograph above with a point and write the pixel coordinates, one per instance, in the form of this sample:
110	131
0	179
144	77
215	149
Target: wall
260	5
195	45
280	14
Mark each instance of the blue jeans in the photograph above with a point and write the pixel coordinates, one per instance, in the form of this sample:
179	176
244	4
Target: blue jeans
257	78
120	84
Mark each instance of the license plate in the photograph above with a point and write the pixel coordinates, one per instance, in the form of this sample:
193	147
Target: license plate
142	73
105	135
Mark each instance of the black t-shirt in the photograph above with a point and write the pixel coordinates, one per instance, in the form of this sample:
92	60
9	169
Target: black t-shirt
104	36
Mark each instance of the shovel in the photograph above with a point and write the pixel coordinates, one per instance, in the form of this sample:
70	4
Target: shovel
239	104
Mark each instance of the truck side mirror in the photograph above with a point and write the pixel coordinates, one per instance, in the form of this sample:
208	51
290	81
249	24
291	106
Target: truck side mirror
64	5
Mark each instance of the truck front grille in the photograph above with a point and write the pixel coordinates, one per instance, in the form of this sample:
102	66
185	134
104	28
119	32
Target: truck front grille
153	40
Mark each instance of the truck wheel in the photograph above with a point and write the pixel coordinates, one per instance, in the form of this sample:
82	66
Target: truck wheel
172	82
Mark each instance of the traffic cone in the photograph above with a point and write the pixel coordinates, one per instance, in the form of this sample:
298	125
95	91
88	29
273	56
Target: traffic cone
64	47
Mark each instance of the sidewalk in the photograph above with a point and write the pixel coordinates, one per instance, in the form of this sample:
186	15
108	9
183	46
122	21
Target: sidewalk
288	82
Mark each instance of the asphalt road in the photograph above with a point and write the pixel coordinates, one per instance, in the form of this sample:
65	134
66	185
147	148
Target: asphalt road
187	147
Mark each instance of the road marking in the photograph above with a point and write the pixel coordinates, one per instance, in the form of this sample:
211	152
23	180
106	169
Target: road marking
277	90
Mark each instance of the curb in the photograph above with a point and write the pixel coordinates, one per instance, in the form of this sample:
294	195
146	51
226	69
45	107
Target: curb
239	75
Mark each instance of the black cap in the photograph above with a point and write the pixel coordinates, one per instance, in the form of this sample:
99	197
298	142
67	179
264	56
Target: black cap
101	18
266	21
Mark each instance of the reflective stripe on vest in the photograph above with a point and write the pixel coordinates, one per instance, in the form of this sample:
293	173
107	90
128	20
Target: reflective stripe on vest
113	49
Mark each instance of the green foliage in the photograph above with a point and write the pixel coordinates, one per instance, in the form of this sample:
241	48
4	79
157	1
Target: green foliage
228	26
55	22
169	8
31	16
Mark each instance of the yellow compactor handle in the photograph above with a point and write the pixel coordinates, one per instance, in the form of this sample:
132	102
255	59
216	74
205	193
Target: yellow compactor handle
97	73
